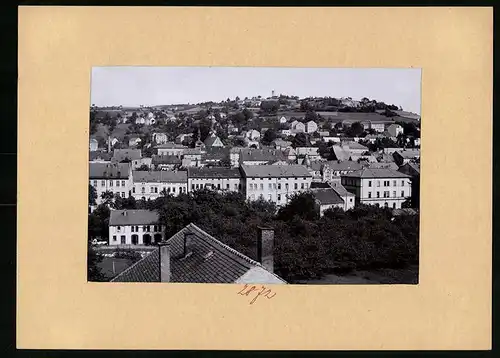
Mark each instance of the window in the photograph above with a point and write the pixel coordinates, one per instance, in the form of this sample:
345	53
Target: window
296	186
286	186
378	183
123	182
152	190
270	186
394	205
394	193
235	186
123	239
110	183
394	183
274	186
137	229
268	178
270	197
307	185
95	182
156	189
148	228
402	183
114	237
143	190
369	183
103	182
117	183
279	197
378	194
350	200
261	186
133	190
123	194
143	227
133	227
279	186
369	194
192	186
301	185
218	186
227	186
402	193
173	189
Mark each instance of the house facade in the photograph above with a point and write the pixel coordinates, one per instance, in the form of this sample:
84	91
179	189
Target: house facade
311	127
149	185
274	183
160	138
110	177
170	148
220	179
93	145
380	187
134	227
395	130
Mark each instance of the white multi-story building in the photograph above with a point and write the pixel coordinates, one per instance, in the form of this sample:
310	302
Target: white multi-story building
381	187
274	182
112	177
134	227
223	179
150	184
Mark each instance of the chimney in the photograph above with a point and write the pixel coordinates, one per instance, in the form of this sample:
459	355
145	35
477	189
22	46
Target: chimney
188	243
265	247
164	252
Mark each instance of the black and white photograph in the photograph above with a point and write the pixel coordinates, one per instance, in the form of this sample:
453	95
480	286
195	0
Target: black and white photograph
254	175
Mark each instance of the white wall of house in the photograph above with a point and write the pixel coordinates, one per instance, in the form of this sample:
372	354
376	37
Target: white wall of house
277	189
152	190
377	127
379	191
121	186
123	235
171	151
324	207
224	184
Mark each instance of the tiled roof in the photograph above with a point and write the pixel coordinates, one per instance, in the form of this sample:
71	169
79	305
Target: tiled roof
100	155
409	153
251	154
214	172
376	173
378	165
108	170
159	176
274	171
327	196
124	154
343	165
133	217
340	153
404	211
170	145
410	169
165	159
356	145
339	188
214	153
210	261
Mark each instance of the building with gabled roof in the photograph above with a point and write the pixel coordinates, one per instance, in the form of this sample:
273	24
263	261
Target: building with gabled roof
326	198
134	227
110	177
126	155
194	256
380	187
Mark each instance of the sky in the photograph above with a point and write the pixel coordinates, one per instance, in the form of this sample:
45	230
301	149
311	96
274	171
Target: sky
149	86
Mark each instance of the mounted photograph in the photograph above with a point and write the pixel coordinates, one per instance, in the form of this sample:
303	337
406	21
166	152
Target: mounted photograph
254	175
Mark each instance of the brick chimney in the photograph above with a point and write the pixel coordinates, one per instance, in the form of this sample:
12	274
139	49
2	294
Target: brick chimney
265	247
164	252
188	243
